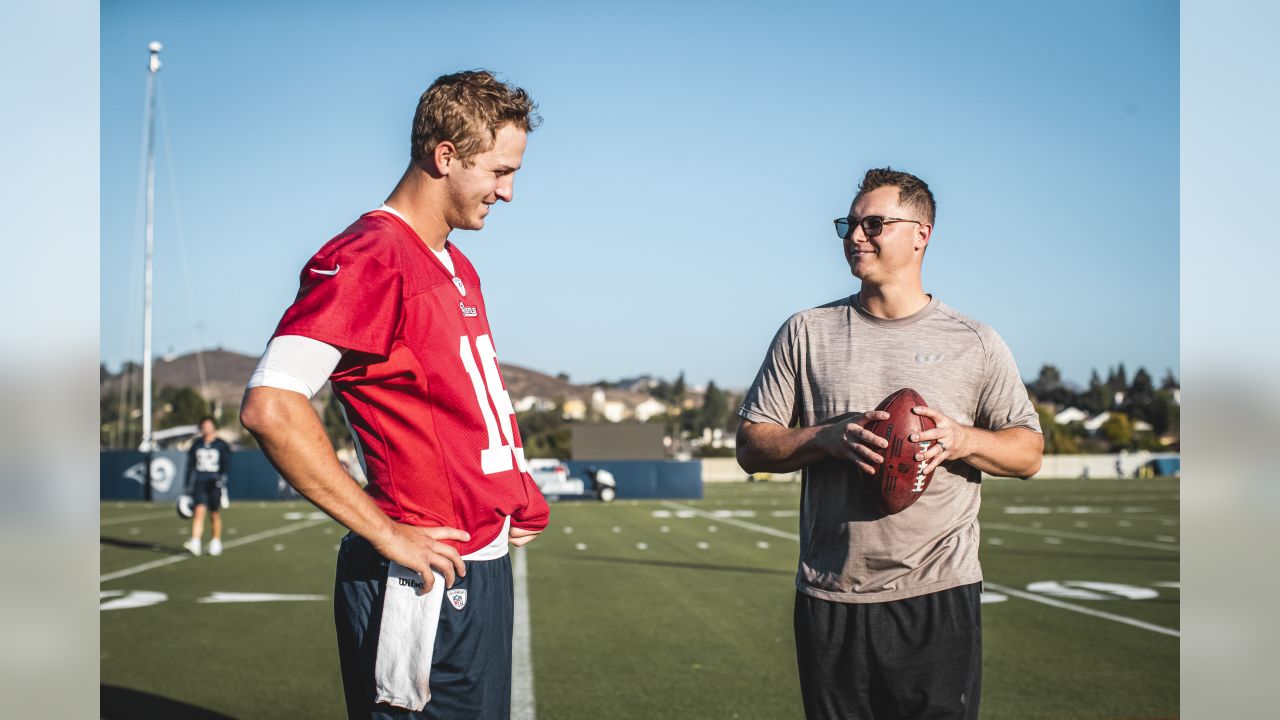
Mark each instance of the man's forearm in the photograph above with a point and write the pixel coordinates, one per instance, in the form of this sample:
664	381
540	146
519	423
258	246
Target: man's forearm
1013	452
294	440
764	447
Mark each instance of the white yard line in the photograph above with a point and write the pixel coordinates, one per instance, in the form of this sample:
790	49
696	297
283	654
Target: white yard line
999	588
522	703
1083	610
734	521
138	518
1005	527
226	545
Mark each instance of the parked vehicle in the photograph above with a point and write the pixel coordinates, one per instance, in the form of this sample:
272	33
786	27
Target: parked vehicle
553	479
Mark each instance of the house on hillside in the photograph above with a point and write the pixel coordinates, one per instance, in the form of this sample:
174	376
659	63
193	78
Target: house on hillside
649	408
1070	415
574	409
1097	421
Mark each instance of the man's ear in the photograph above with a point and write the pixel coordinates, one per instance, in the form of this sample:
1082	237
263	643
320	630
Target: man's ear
445	154
923	233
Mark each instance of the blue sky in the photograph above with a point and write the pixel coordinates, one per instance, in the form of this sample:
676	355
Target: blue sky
676	205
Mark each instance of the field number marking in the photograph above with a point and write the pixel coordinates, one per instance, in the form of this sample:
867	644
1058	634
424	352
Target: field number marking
1000	589
1052	602
134	599
1089	590
1081	536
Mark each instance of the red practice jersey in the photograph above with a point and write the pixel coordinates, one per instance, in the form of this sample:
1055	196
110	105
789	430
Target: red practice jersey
419	380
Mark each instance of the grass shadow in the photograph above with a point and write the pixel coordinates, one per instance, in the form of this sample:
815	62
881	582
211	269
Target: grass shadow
141	545
118	703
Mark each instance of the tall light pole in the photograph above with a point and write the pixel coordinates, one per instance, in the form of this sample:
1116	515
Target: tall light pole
147	446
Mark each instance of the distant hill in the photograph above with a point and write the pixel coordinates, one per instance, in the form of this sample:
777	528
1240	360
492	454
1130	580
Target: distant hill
225	373
222	380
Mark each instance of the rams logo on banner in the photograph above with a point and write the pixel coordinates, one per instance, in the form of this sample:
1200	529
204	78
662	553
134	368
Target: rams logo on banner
457	598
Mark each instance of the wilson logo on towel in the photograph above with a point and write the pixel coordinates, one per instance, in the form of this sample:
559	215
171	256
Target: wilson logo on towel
457	598
406	582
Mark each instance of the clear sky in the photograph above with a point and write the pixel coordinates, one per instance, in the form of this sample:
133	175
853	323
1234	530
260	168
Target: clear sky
675	208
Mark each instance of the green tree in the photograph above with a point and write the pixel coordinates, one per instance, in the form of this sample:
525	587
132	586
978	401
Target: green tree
1098	397
1165	413
545	434
117	431
678	391
715	408
1058	439
335	424
1140	396
1048	387
186	407
1117	378
1118	431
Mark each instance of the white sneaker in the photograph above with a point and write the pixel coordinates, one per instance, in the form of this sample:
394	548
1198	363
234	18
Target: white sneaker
215	547
193	546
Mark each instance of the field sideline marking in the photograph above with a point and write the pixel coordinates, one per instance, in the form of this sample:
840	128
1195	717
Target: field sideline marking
136	518
734	521
226	545
999	588
1080	536
1081	609
522	703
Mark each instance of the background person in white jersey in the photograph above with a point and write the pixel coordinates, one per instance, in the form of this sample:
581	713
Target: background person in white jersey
887	614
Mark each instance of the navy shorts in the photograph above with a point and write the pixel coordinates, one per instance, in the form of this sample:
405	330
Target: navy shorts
915	658
471	664
207	492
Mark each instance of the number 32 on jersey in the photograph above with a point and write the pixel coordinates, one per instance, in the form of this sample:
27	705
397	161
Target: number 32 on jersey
502	450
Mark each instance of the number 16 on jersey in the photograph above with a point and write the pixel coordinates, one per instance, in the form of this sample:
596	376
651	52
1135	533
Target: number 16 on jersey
502	448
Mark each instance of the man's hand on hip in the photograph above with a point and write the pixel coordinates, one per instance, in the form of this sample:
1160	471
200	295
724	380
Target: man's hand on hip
422	549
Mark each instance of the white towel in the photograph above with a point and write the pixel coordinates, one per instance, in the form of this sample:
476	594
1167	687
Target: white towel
407	637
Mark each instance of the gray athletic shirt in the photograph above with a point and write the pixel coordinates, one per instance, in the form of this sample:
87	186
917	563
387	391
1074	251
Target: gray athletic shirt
839	359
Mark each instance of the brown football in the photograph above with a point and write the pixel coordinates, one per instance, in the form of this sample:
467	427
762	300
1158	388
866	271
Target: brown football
898	480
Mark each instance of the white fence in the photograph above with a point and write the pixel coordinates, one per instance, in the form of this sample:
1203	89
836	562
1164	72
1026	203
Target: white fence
1097	466
1055	466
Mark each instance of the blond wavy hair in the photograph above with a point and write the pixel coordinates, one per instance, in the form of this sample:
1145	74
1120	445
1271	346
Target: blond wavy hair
467	108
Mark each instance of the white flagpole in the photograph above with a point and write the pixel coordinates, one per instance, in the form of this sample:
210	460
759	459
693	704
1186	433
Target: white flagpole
147	444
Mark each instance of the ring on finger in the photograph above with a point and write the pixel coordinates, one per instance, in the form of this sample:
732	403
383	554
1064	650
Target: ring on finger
943	444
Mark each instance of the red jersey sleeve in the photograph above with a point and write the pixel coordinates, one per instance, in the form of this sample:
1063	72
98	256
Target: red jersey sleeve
350	300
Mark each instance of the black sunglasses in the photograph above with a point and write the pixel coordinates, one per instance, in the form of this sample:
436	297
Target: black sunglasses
872	225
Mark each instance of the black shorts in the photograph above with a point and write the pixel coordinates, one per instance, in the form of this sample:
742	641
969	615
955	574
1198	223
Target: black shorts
207	492
471	662
915	658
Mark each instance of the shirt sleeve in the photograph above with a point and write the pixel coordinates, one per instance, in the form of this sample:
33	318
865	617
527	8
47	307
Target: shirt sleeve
297	363
1004	401
349	300
772	396
191	468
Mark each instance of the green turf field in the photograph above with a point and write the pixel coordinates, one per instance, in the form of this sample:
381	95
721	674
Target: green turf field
648	609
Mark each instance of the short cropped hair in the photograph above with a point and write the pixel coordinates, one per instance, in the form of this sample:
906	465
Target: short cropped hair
912	191
467	108
207	418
